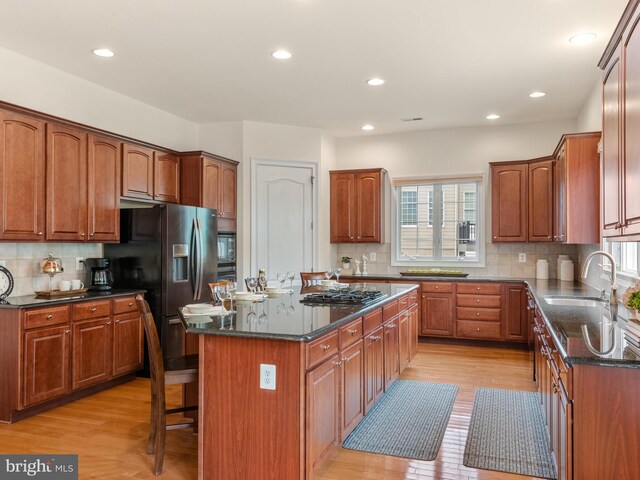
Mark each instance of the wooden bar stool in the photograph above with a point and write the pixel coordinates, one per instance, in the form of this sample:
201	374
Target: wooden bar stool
311	279
172	371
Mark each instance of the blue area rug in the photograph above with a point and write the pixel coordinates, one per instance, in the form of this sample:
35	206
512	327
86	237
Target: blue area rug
409	421
508	434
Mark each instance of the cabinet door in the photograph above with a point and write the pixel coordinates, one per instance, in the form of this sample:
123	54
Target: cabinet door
374	368
137	172
631	159
404	338
611	148
352	388
228	192
66	183
391	357
413	331
560	196
515	313
343	206
509	203
211	175
166	177
92	350
541	201
22	177
437	314
127	343
46	364
103	188
322	412
368	215
565	436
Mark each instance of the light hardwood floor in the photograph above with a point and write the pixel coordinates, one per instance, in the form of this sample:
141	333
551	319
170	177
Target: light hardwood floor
109	430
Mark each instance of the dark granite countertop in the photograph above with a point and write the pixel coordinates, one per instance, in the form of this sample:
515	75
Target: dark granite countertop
27	301
285	318
412	278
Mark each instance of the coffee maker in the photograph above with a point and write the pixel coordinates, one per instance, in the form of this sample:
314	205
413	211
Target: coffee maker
101	276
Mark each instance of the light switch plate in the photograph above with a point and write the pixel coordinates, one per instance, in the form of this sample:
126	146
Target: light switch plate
522	257
373	256
267	376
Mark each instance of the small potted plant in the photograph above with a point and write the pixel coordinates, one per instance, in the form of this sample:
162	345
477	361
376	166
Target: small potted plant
346	262
631	299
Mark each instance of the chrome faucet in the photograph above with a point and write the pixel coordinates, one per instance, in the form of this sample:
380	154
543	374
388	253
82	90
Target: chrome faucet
614	287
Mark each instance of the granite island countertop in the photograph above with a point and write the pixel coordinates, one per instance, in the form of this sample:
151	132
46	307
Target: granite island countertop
284	317
29	301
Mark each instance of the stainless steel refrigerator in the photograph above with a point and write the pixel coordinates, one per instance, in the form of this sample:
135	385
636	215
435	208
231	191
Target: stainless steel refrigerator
171	252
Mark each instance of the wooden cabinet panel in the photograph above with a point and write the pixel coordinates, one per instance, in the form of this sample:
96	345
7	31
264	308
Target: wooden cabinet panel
404	340
631	159
611	151
66	183
321	348
124	305
515	313
211	179
343	207
509	202
437	314
479	301
103	188
479	288
352	388
368	208
322	412
127	343
46	364
22	177
480	330
166	177
374	368
45	317
484	314
437	287
137	172
372	321
93	309
228	208
91	352
560	196
413	331
540	205
391	353
350	333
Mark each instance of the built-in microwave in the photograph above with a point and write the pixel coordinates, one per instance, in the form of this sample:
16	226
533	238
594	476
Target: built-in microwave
226	248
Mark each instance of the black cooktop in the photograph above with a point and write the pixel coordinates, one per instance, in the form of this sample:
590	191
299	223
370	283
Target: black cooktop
348	297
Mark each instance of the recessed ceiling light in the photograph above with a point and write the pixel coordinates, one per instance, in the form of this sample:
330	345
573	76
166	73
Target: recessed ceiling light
374	82
493	116
537	94
281	55
367	127
582	38
103	52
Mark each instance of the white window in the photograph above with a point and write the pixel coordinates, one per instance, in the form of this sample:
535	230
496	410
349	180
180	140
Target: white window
627	260
445	221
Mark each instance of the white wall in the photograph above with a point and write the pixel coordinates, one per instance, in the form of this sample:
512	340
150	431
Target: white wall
223	138
590	116
32	84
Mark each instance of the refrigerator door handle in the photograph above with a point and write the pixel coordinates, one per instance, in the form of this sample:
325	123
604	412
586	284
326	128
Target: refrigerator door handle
194	259
200	260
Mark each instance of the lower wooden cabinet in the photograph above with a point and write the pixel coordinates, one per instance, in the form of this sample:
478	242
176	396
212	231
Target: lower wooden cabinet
413	330
128	337
373	368
437	314
404	340
92	352
352	388
391	353
515	320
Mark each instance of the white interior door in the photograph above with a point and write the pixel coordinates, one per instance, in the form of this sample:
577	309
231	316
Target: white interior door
282	226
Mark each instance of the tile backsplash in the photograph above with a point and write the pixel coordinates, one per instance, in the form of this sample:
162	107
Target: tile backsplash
501	258
23	261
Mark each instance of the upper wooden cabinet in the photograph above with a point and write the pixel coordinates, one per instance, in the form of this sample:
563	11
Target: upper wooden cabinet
210	181
103	188
357	206
166	177
22	177
509	202
149	174
541	200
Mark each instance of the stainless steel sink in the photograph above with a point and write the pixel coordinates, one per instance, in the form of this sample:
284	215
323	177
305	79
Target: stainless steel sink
574	301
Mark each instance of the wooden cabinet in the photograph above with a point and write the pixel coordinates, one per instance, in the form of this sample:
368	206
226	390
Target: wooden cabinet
391	353
352	388
92	352
103	188
373	368
559	195
46	365
22	177
137	172
509	202
437	312
414	329
515	312
357	206
166	177
404	339
210	181
128	337
66	183
540	205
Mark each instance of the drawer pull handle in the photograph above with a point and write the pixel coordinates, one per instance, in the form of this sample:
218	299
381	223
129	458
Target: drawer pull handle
49	316
325	347
93	309
338	363
117	321
353	332
131	304
39	234
67	332
478	301
108	323
477	329
478	288
477	314
437	287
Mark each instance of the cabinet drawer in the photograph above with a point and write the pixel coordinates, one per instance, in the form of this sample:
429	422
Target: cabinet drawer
486	314
482	301
44	317
477	329
389	310
437	287
124	305
480	288
372	321
403	303
350	333
91	309
322	348
413	298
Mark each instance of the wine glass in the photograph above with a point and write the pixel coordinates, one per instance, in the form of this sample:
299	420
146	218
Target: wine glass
262	318
252	283
337	271
262	280
291	276
230	291
282	277
252	317
290	308
329	273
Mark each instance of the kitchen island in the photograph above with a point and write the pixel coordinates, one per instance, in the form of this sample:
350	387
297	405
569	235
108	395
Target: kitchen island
329	365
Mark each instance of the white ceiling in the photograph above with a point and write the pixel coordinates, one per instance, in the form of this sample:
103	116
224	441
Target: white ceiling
449	61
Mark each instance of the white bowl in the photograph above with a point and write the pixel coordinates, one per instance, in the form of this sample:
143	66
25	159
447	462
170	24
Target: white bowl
244	294
199	307
327	283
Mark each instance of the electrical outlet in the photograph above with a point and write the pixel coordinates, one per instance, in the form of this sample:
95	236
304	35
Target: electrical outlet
79	264
373	256
267	376
522	257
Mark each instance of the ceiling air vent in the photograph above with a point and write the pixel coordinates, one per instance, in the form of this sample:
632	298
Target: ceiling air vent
413	119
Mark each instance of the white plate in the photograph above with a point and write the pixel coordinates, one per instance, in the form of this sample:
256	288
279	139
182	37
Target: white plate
253	297
213	310
277	291
327	283
198	307
197	320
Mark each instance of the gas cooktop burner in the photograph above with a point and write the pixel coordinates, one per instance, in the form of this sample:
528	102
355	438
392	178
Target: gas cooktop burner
349	297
